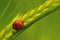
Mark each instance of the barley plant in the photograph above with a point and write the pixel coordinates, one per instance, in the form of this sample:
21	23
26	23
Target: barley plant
30	11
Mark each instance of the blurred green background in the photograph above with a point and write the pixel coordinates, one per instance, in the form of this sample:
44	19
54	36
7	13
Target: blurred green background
46	29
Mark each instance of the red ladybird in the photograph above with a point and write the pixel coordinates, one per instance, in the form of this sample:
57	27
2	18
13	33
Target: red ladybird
18	24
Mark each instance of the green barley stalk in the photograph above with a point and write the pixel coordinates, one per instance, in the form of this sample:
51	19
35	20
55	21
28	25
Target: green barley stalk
29	18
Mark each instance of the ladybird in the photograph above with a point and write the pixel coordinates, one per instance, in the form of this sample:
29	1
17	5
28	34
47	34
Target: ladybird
18	24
